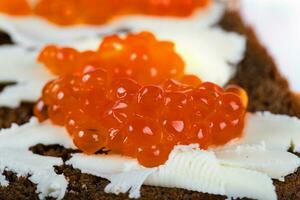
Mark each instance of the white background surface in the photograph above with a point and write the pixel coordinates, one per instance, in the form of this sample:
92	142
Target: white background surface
277	23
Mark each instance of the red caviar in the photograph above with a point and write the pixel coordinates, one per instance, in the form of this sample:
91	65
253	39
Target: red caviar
68	12
15	7
136	56
137	114
141	121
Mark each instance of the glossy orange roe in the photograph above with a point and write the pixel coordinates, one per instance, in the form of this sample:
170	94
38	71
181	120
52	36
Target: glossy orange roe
139	56
141	121
15	7
66	12
139	114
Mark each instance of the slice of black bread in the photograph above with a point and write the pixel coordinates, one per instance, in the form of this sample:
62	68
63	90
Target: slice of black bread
257	73
4	38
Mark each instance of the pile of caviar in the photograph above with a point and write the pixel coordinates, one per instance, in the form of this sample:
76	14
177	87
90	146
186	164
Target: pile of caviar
141	121
140	114
138	56
67	12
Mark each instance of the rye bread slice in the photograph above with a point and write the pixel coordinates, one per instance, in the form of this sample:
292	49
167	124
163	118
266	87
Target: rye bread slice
5	38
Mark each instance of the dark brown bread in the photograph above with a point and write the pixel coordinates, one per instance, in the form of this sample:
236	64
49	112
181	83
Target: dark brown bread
4	38
257	73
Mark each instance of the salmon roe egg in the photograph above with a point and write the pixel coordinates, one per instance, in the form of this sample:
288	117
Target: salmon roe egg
136	114
69	12
240	92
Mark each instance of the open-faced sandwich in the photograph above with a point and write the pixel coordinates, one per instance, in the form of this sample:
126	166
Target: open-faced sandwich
151	100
